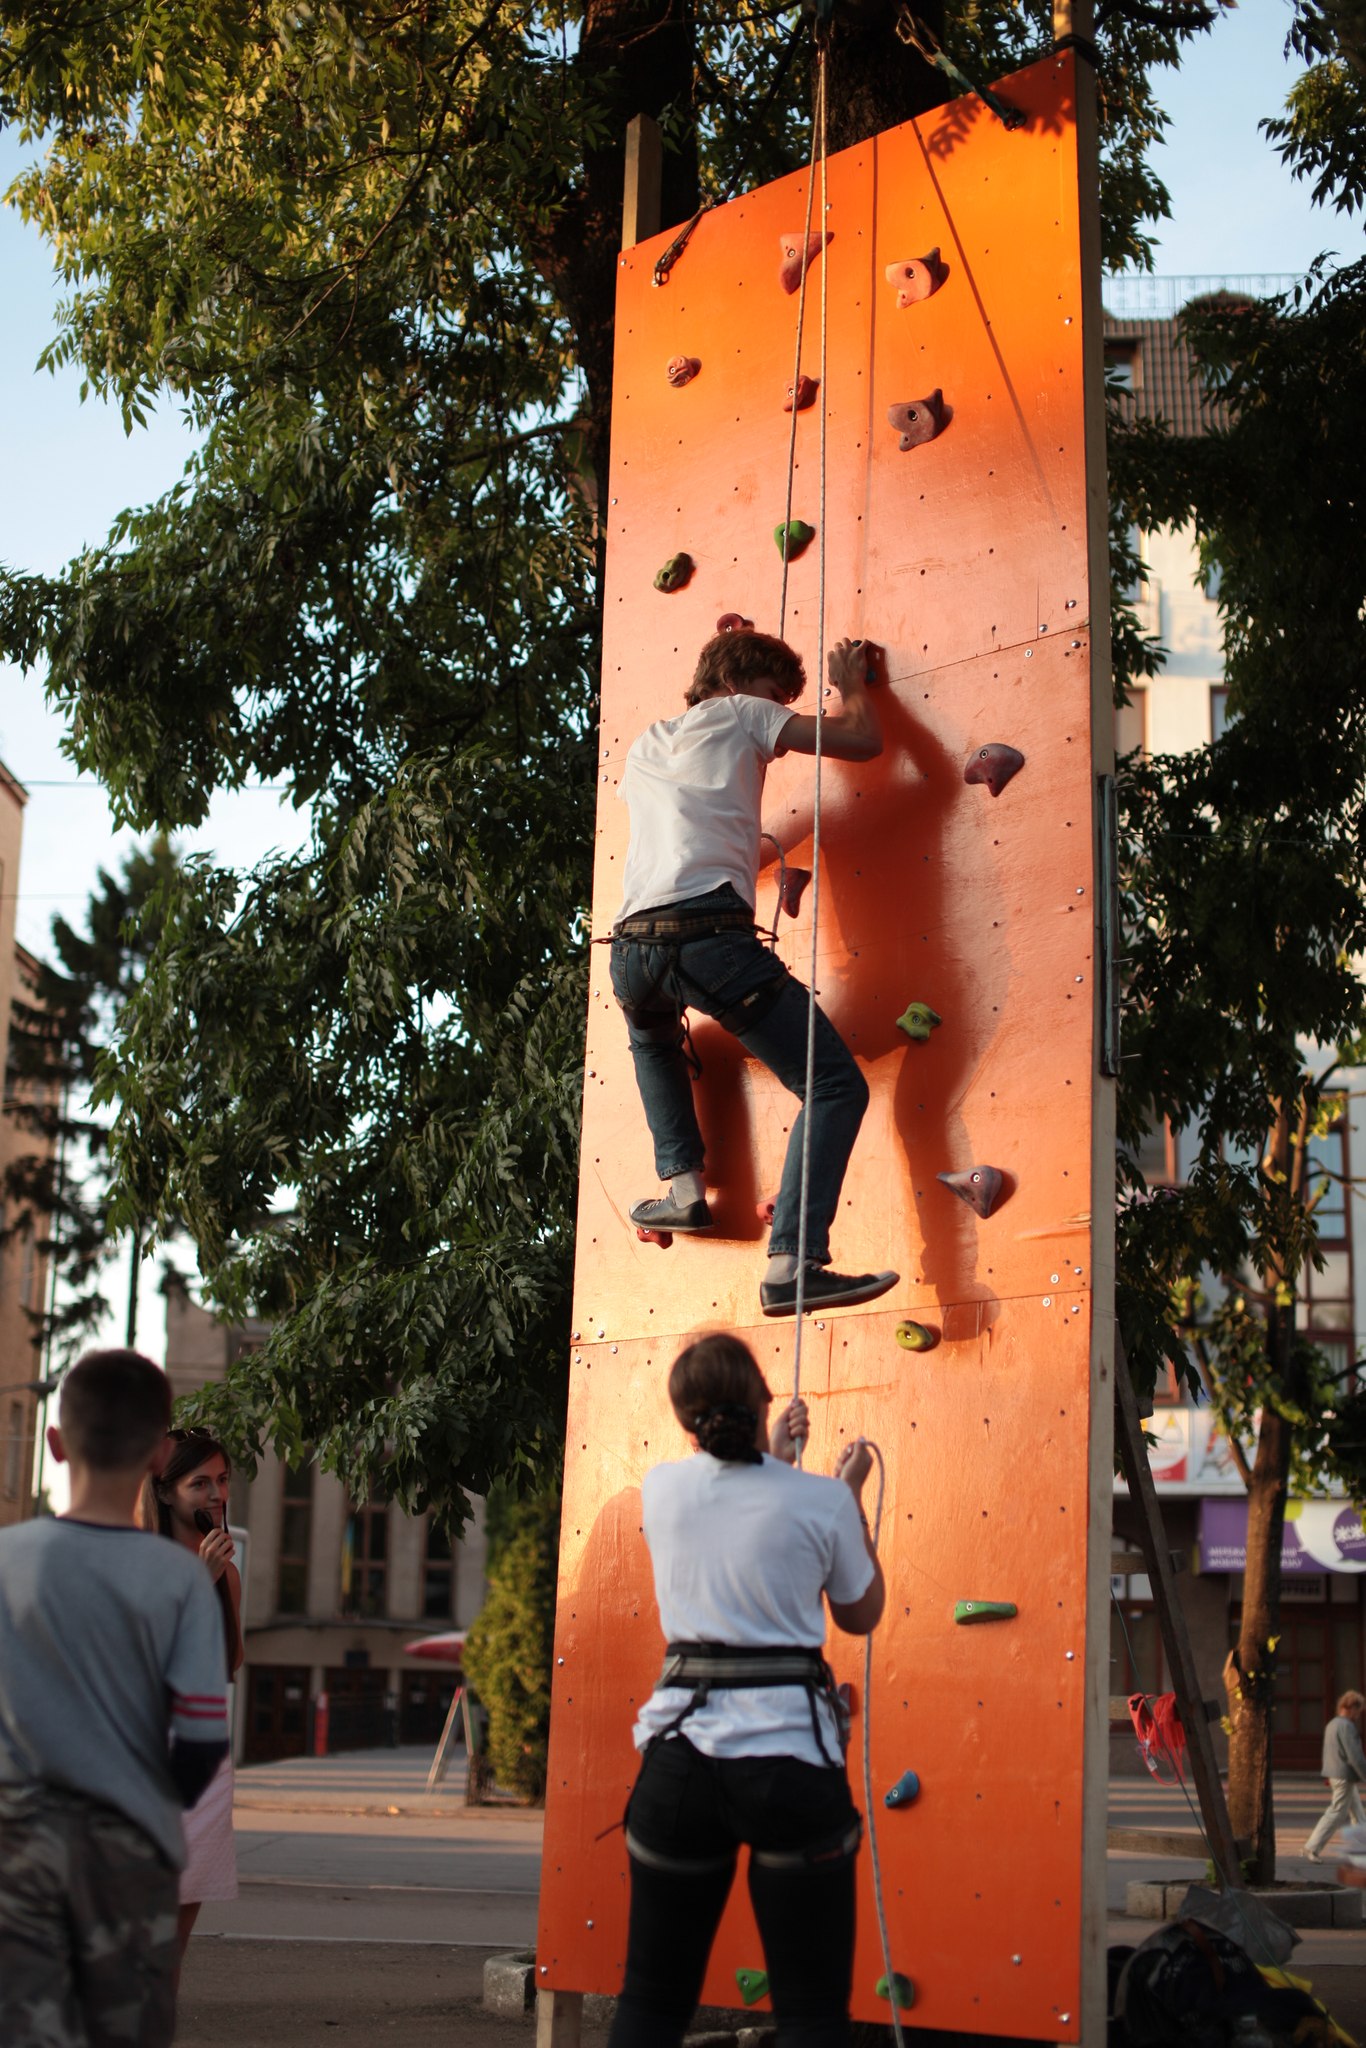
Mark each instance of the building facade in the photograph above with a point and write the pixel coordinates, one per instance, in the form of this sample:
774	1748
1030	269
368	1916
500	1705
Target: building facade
333	1589
23	1263
1323	1640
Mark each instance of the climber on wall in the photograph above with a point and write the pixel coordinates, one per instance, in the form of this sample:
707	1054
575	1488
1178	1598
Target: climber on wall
741	1739
685	938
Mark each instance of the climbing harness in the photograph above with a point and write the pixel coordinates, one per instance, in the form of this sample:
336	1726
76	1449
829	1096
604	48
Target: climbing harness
927	44
710	1667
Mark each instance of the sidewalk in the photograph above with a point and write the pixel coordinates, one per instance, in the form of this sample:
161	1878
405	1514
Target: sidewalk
366	1781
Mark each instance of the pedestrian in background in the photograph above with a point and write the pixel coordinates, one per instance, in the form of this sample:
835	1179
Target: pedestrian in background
1344	1766
113	1718
188	1501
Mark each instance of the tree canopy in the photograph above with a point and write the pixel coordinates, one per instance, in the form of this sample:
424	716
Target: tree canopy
370	250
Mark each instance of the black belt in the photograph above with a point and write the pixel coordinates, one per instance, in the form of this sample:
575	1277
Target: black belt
693	926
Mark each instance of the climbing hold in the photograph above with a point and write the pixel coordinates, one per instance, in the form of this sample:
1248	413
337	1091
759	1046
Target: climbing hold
918	420
799	253
764	1211
979	1187
917	277
801	394
793	538
996	764
675	573
753	1985
899	1987
916	1337
682	370
965	1611
734	622
906	1788
918	1020
795	881
663	1238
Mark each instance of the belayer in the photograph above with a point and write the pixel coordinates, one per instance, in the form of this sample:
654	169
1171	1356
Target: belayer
742	1735
685	939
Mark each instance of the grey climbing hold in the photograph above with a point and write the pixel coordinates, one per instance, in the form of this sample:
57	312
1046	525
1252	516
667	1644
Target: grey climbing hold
995	764
979	1187
906	1788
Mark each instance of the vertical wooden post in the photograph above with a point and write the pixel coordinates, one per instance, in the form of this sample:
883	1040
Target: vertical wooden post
559	2019
1171	1619
644	171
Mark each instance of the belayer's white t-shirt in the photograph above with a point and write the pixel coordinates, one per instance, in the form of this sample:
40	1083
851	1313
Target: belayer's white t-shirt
694	786
742	1555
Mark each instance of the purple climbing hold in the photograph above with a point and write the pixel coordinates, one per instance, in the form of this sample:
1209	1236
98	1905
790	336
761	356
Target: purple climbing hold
734	622
917	278
675	573
801	394
918	420
682	369
794	888
799	253
995	764
980	1187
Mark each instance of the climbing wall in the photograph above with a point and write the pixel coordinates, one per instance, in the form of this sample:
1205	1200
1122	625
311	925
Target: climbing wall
965	557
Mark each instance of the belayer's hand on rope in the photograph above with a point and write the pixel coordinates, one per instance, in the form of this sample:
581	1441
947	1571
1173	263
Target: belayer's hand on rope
853	1465
790	1432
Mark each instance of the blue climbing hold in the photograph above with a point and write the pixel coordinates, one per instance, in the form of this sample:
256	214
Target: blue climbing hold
906	1788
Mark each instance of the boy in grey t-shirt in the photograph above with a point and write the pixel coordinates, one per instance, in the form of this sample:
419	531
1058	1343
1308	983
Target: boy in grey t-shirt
113	1718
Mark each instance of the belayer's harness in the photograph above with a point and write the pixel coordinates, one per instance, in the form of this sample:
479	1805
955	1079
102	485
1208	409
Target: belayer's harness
725	1667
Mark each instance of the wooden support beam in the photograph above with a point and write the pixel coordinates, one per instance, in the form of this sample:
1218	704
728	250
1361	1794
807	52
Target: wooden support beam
1125	1561
559	2019
644	179
1209	1790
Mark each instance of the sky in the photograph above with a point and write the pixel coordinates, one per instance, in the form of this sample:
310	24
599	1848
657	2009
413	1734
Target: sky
70	467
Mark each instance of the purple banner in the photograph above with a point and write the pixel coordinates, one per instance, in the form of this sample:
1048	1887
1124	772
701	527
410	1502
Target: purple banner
1320	1536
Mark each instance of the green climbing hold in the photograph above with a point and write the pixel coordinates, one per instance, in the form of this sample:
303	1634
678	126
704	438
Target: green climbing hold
918	1020
753	1985
901	1986
916	1337
675	573
792	538
984	1610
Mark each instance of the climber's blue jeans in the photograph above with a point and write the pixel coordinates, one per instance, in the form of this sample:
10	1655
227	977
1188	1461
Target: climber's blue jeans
729	976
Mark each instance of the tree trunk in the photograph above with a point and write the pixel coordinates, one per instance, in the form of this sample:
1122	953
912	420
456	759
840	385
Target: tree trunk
873	79
1250	1673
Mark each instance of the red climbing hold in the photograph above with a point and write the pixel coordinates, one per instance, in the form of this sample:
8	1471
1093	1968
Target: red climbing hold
663	1238
794	888
801	394
799	253
764	1211
918	420
980	1187
734	622
917	277
682	369
996	764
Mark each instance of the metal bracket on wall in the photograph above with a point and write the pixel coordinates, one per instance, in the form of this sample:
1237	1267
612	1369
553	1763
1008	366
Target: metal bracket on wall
1107	871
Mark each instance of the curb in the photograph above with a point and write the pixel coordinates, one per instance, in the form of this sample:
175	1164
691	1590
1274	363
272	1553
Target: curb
1298	1906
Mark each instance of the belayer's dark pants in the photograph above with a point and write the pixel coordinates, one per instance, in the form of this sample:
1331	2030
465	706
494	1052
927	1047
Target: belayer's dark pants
688	1816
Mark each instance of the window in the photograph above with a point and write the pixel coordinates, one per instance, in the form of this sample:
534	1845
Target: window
1218	711
1327	1179
296	1524
1123	366
438	1578
365	1558
1131	723
14	1450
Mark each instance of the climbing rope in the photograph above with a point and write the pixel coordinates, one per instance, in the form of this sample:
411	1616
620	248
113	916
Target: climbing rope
874	1858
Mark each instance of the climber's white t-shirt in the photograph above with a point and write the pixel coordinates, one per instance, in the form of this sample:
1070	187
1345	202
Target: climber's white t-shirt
694	786
742	1555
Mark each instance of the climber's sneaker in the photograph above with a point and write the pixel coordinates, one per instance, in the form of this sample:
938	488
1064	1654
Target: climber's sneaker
823	1289
687	1220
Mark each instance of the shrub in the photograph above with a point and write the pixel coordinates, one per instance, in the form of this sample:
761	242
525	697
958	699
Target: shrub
509	1652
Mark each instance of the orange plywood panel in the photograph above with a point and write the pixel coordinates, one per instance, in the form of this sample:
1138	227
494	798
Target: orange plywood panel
966	559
